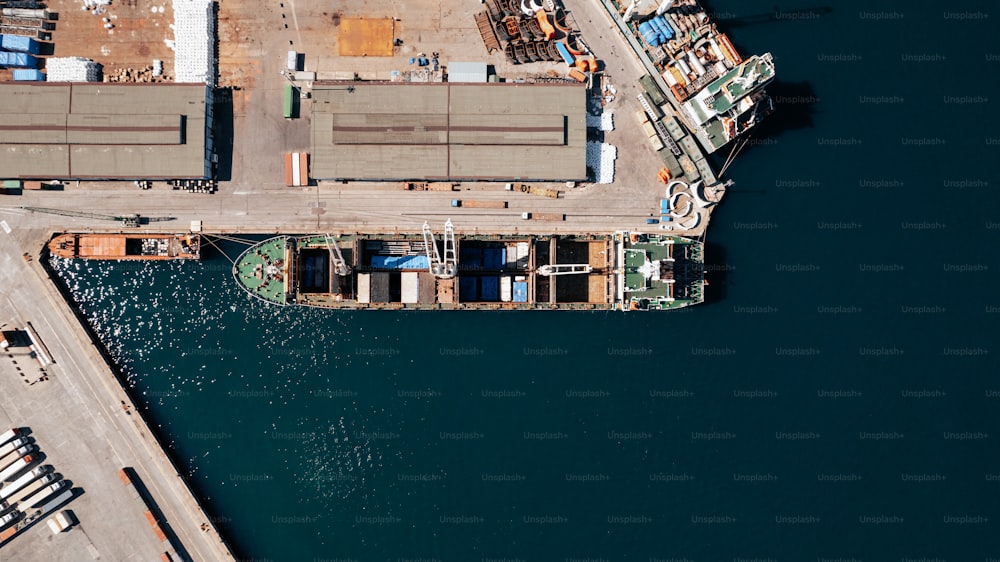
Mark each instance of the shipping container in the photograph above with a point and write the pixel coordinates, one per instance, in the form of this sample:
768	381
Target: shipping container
303	76
296	169
36	13
410	287
289	101
470	257
489	289
364	288
293	61
29	74
549	217
522	255
12	184
19	43
505	289
468	288
428	288
520	291
493	259
17	60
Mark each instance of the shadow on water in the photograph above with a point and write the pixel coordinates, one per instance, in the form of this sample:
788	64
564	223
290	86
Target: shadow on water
776	15
716	271
794	106
223	133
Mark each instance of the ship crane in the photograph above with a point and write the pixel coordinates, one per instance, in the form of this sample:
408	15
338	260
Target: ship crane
564	269
340	266
442	269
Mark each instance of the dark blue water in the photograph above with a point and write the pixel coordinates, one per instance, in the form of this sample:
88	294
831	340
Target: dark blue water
836	399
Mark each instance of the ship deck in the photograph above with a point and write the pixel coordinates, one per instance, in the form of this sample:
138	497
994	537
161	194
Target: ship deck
494	272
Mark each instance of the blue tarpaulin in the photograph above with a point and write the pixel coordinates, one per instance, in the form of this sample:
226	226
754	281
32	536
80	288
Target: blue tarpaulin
400	262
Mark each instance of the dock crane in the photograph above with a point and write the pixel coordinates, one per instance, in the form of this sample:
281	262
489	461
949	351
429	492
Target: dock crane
340	266
564	269
447	268
133	220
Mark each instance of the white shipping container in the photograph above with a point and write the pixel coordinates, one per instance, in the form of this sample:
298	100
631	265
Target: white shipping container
293	61
409	287
364	288
522	255
505	289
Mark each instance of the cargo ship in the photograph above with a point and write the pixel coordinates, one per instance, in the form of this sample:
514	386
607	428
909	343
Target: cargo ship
717	93
620	271
127	246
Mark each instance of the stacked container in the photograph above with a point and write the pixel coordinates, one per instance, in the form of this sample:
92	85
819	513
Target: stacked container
19	43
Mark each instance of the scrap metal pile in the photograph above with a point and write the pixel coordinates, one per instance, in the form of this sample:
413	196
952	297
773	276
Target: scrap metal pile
526	33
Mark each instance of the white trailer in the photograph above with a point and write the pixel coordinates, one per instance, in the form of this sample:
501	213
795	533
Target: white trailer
13	456
9	434
30	489
11	446
17	466
24	480
40	497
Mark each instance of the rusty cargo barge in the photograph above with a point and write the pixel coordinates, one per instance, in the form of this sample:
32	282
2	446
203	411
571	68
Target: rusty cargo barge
126	246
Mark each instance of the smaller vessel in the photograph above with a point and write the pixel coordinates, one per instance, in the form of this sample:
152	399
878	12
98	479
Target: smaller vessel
127	246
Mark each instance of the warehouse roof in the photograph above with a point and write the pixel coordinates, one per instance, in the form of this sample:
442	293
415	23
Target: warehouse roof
413	131
106	131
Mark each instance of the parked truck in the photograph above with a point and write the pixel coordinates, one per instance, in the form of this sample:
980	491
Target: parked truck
10	446
11	457
15	467
543	216
9	434
533	190
24	480
30	489
38	498
478	204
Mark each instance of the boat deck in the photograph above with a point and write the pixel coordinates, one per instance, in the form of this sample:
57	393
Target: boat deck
255	270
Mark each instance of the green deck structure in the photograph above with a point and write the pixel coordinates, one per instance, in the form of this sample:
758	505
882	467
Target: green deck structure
259	269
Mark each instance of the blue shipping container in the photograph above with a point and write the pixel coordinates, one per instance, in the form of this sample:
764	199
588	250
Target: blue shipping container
467	289
400	262
566	55
17	60
19	43
29	74
520	291
490	289
492	259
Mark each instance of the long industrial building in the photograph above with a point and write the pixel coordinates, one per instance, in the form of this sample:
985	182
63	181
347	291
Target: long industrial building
105	131
448	131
